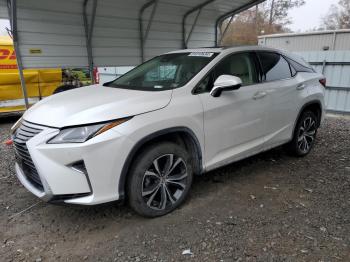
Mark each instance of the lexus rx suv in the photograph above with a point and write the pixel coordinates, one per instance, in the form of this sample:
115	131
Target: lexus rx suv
143	136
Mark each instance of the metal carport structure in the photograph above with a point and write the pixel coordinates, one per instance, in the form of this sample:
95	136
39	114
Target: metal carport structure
89	33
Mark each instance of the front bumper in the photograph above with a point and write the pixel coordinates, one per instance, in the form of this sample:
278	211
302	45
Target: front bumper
29	185
103	157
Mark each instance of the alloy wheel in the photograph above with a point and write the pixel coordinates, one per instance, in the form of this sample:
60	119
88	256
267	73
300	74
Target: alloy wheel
307	133
164	182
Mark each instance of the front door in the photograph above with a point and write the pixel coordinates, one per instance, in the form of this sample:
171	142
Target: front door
234	122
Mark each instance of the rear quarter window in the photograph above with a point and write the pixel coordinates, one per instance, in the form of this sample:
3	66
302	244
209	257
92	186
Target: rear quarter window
299	67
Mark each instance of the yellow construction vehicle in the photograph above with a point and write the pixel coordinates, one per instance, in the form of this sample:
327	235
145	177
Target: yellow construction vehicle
39	82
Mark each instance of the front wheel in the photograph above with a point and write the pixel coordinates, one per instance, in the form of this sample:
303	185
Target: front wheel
160	179
304	134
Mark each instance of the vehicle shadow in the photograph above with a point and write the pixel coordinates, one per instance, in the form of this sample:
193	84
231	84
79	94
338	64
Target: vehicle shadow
202	184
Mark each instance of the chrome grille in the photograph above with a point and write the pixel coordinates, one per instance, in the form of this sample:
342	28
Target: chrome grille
24	133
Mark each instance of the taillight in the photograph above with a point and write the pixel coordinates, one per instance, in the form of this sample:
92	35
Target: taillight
323	82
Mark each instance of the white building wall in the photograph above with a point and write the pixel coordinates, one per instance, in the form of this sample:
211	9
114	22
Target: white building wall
317	41
337	61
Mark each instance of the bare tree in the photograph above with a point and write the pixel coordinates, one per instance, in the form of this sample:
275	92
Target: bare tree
338	16
277	10
267	18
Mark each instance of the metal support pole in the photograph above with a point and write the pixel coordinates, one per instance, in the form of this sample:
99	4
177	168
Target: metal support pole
232	13
334	40
192	27
226	29
194	9
88	35
324	63
150	20
12	8
142	36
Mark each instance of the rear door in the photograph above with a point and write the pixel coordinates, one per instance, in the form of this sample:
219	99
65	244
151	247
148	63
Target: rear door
234	122
282	86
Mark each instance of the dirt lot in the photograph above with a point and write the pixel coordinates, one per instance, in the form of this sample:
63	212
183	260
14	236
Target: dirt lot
271	207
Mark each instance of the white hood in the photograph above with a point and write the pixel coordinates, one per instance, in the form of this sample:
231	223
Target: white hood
93	104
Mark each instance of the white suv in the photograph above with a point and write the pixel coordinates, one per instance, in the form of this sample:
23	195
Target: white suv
143	136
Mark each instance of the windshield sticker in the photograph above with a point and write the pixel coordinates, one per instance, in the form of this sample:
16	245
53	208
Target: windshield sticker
158	87
201	54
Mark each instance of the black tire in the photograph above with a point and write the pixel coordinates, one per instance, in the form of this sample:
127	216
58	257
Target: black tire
144	179
304	135
63	88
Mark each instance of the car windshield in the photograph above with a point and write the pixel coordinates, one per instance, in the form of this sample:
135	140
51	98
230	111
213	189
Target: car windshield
164	72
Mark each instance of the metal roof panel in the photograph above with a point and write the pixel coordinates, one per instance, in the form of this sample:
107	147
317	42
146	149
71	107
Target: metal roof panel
57	29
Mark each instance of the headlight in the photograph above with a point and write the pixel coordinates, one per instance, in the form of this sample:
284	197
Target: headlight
83	133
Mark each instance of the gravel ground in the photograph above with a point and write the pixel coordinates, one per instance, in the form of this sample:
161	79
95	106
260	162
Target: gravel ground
271	207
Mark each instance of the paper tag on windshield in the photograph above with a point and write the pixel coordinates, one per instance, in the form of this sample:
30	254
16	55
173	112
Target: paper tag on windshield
201	54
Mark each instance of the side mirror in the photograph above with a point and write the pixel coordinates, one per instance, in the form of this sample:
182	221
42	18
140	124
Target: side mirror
225	83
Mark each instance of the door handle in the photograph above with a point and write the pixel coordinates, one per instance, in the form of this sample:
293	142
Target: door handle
259	95
301	87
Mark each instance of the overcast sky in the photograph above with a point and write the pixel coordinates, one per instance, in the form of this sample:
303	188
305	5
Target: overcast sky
309	16
304	18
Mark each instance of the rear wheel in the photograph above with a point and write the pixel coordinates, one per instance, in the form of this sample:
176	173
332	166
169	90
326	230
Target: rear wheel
160	179
304	134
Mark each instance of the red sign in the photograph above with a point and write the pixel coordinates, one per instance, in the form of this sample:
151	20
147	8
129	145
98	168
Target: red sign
8	66
7	54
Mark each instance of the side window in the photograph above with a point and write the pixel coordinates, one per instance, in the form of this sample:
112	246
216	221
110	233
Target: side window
240	65
274	66
206	84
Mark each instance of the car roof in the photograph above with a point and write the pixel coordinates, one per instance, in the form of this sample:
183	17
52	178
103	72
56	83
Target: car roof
230	49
